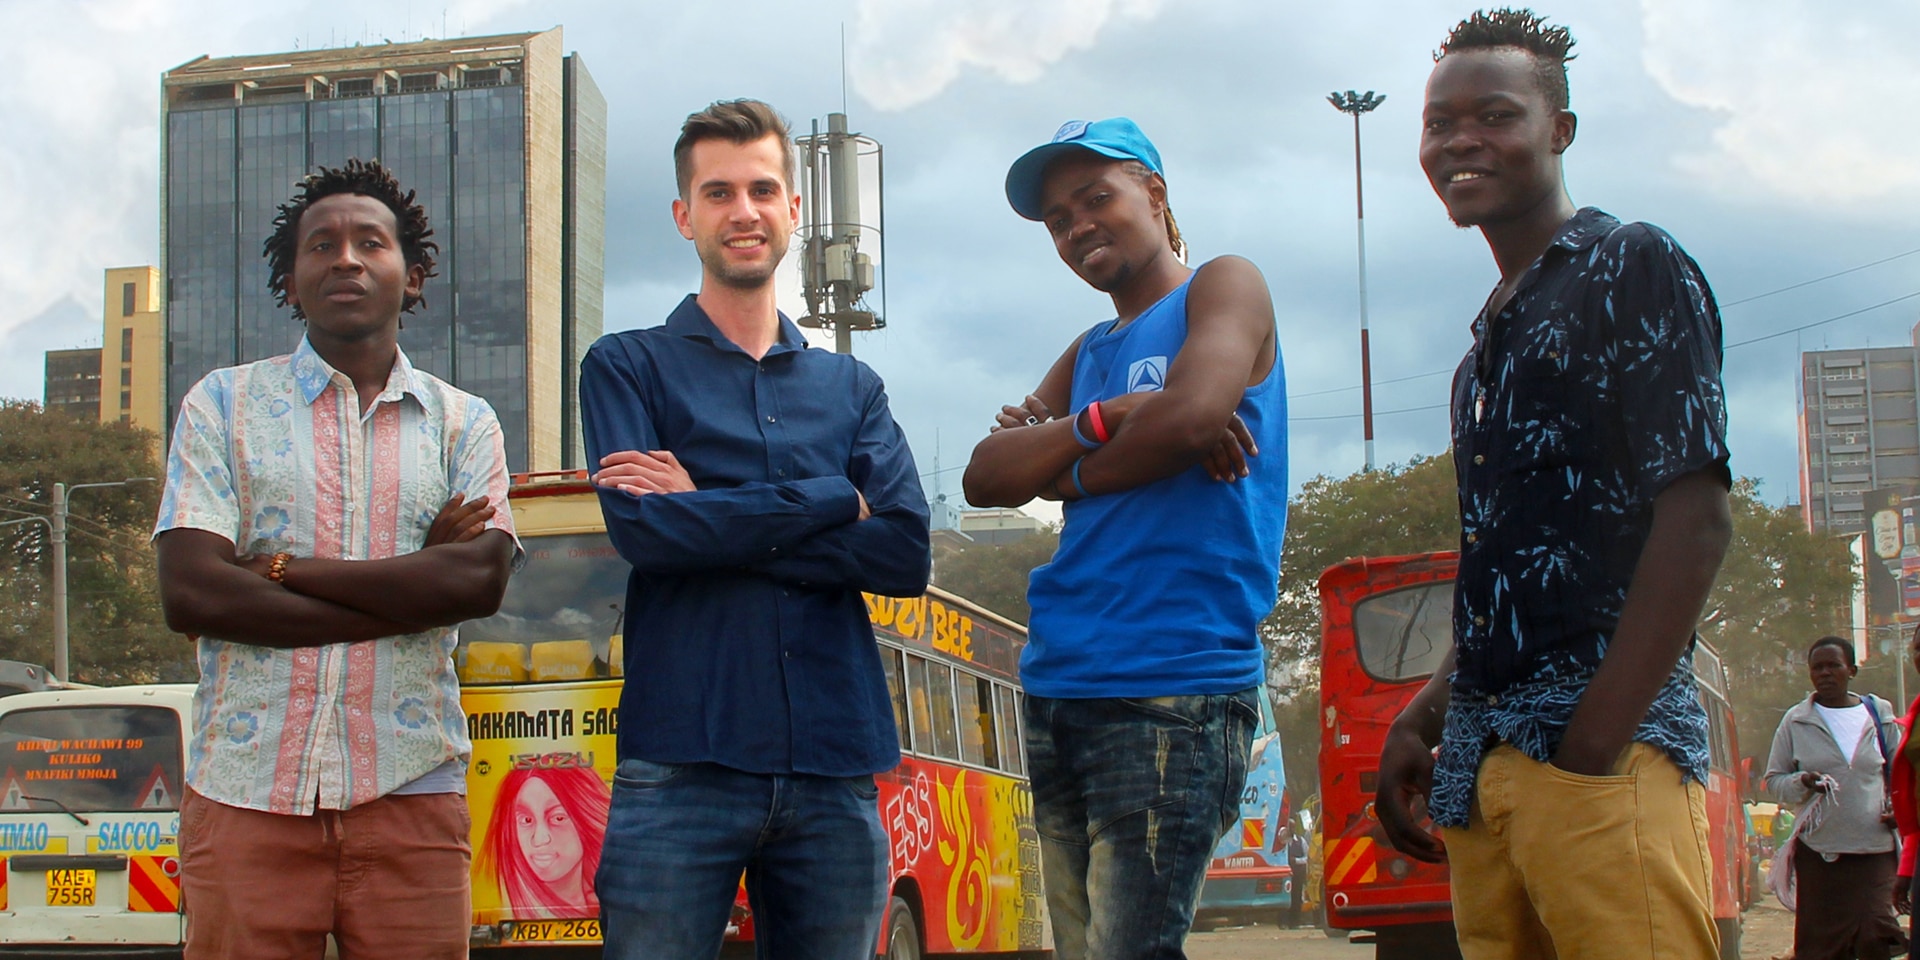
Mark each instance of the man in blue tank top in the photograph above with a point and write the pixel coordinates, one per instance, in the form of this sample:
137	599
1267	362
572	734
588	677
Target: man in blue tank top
1169	454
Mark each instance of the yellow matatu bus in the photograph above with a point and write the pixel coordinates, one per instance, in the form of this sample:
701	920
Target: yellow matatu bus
541	690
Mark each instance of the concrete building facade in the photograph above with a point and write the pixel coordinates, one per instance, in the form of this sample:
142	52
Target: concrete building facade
133	374
1858	431
73	383
503	139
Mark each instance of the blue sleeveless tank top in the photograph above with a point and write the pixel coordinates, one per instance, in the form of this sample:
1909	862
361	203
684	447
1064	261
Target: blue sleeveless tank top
1159	590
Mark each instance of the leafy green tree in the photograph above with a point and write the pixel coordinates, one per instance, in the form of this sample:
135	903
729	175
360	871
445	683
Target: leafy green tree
995	575
115	627
1780	588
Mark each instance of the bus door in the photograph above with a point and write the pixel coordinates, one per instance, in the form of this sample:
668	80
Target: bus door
1386	626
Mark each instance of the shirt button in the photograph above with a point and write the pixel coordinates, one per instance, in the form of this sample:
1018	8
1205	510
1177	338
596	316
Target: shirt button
780	473
788	654
1473	538
770	420
1478	459
1479	621
1553	354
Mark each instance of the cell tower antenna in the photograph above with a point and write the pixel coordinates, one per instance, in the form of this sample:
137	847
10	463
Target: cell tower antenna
843	66
837	243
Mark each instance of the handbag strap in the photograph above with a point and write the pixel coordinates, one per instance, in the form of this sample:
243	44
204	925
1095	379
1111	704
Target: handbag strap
1880	737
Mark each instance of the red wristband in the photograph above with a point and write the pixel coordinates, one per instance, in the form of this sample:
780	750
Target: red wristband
1095	421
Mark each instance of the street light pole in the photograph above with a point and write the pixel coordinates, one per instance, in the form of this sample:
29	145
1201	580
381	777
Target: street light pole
57	530
1357	104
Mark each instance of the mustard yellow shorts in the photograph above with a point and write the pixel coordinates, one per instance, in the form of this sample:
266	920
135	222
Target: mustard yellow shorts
1557	866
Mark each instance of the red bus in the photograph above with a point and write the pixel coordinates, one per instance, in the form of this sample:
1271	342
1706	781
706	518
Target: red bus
540	685
1386	623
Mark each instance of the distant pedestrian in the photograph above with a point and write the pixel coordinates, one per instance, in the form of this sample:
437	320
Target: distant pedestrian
330	517
1589	437
1143	667
1839	743
757	486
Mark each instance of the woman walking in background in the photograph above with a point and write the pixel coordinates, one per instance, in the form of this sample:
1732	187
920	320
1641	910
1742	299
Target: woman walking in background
1837	743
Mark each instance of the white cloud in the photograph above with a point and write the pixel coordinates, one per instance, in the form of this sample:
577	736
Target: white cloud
1809	102
905	52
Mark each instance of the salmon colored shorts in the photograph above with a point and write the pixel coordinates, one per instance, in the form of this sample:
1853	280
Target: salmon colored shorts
389	879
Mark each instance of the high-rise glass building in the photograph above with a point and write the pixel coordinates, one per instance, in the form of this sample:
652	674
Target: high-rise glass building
503	139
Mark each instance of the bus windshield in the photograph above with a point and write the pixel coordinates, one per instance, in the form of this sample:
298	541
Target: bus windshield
1403	635
90	759
561	618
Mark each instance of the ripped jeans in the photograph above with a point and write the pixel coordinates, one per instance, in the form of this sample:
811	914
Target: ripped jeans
1129	797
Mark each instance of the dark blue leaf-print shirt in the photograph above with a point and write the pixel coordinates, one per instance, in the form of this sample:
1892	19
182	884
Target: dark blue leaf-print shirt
1596	386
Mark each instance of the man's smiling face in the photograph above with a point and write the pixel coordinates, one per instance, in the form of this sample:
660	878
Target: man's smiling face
1491	139
740	212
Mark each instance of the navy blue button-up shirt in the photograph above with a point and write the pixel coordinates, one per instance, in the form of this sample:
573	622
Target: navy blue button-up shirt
747	640
1596	386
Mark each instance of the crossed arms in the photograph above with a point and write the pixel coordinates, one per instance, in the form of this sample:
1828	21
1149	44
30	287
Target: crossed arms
865	530
1230	345
208	588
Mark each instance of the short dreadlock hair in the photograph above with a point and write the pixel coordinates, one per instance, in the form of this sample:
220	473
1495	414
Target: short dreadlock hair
366	178
1551	47
1140	172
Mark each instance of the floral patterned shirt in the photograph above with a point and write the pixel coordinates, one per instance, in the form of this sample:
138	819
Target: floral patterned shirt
276	456
1596	386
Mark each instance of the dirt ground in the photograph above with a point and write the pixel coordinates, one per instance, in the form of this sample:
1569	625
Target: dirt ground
1767	933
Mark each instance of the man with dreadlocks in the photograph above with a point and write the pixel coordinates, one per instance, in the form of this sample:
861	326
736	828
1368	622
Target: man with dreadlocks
1589	437
329	518
1143	668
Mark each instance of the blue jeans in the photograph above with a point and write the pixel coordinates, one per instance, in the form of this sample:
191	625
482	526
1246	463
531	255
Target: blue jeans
1129	798
679	836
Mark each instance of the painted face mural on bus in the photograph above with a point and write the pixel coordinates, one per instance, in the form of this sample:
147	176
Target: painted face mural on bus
543	840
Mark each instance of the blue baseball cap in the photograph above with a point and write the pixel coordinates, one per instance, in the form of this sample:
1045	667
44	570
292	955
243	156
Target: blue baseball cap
1116	137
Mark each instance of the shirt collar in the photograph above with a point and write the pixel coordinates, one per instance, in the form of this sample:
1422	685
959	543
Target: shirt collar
1584	229
691	321
314	375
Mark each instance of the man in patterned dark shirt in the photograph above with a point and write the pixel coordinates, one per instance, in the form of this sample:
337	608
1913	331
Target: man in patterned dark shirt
1589	433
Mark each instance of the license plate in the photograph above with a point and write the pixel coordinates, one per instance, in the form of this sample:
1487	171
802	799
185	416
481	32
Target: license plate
70	888
548	931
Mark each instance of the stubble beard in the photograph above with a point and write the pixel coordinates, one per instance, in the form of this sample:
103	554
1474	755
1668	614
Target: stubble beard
746	277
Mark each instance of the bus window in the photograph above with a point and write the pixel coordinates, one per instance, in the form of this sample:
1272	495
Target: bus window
1012	751
130	761
979	741
1405	634
946	742
897	692
917	699
560	618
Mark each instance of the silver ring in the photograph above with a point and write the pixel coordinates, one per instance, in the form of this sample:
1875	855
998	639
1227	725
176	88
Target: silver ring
1032	420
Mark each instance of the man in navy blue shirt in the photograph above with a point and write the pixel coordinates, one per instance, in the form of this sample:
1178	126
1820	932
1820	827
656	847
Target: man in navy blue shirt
1589	437
757	487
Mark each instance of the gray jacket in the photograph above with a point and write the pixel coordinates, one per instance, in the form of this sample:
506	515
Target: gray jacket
1803	742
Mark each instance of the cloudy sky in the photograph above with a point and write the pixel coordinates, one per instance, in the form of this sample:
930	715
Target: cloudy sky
1774	138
